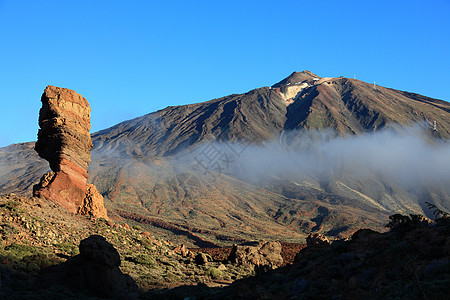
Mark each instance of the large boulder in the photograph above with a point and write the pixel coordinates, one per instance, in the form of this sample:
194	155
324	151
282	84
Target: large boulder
64	141
95	272
259	255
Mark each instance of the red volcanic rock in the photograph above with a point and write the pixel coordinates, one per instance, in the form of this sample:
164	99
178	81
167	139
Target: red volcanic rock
92	203
181	250
65	142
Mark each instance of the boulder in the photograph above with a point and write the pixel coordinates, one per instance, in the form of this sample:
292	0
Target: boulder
94	272
92	203
201	259
182	250
262	254
95	248
65	142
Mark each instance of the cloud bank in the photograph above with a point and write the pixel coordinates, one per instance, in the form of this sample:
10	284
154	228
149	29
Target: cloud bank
405	156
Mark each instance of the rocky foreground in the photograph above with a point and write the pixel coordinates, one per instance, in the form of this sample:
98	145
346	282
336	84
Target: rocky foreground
36	234
410	262
42	245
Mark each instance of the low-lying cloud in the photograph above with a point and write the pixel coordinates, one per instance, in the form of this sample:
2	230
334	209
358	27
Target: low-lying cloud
407	156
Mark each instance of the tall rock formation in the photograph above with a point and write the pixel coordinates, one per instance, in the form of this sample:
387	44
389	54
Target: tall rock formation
64	141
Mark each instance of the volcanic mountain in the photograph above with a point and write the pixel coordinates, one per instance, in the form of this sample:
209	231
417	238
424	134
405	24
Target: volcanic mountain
301	101
152	169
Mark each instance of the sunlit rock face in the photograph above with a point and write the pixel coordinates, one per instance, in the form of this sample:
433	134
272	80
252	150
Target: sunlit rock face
65	142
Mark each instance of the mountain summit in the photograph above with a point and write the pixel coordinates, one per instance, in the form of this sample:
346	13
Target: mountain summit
297	78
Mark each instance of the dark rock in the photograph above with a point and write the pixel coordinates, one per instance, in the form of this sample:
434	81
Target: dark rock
201	259
96	248
94	272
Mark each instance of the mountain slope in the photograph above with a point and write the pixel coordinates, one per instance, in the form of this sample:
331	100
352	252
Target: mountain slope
353	106
298	102
20	168
256	116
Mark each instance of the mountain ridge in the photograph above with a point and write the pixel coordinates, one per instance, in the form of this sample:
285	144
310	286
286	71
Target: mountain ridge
262	113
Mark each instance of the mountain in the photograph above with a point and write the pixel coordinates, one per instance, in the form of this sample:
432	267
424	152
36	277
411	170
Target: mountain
148	169
302	101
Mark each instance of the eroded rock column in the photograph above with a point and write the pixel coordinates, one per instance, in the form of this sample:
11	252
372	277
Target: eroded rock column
65	142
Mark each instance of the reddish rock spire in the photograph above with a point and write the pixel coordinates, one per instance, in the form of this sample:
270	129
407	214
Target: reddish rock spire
64	141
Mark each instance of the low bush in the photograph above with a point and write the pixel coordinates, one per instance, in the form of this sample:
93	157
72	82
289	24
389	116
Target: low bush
11	205
68	249
142	259
214	273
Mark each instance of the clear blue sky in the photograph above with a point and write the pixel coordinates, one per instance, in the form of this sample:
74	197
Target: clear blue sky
130	58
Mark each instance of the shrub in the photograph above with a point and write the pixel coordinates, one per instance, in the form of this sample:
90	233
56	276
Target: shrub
437	212
142	259
214	273
442	217
137	227
27	258
7	229
67	248
35	262
20	250
11	205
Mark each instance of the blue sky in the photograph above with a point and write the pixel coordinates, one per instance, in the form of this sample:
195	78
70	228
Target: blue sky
130	58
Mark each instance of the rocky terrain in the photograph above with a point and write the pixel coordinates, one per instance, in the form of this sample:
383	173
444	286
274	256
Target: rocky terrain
409	262
65	142
37	233
42	244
